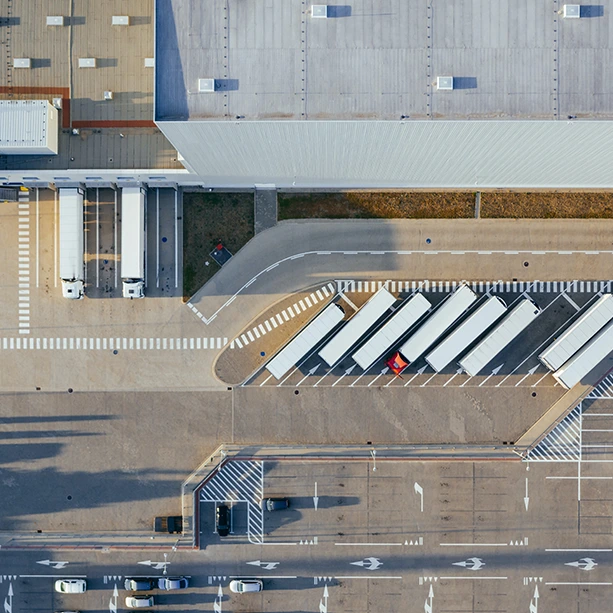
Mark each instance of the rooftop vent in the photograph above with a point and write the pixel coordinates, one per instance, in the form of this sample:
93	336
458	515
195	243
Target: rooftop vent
87	62
108	95
571	11
444	83
57	103
319	11
149	62
22	62
55	20
206	85
120	20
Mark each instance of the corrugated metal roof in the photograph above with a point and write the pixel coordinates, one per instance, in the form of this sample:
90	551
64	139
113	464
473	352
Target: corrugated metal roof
24	123
429	154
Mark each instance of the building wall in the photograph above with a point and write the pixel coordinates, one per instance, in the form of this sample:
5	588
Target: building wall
410	154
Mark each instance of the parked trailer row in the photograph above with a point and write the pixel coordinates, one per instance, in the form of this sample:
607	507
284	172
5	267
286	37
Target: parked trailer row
366	317
394	328
585	328
438	323
466	333
72	257
583	362
507	330
133	242
305	340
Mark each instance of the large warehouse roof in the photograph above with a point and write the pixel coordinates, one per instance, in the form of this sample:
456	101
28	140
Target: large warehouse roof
379	59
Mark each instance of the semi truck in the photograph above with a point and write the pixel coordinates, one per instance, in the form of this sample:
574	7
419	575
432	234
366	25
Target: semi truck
72	260
308	338
588	358
350	334
393	329
466	333
584	329
508	329
133	242
438	323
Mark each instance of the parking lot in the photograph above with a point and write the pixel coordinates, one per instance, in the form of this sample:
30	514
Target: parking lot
561	303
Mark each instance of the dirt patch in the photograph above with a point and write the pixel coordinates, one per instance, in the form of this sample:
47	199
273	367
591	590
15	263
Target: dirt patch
371	205
547	205
209	219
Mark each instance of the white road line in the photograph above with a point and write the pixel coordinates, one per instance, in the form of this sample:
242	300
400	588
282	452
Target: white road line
473	544
55	238
570	301
579	550
477	578
37	235
176	240
115	236
575	583
377	577
582	478
157	237
97	237
367	544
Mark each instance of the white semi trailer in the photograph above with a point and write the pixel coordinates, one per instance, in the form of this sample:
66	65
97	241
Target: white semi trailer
509	328
585	328
583	362
307	339
133	243
71	242
403	319
466	333
438	323
357	327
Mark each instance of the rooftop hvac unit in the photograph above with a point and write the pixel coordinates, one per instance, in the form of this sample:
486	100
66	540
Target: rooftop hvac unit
120	20
149	62
57	103
206	85
444	83
22	62
87	62
108	95
55	20
571	11
319	11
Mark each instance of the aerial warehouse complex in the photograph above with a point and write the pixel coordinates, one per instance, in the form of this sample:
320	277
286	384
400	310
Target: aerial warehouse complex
370	364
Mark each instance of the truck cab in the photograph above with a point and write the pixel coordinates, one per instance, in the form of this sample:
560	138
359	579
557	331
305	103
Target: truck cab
133	289
72	290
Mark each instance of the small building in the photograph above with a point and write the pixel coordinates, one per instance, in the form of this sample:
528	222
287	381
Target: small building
28	127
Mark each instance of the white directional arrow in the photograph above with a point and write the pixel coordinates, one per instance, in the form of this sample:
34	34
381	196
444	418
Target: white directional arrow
471	564
346	373
264	565
113	600
323	603
419	372
311	372
428	603
383	372
583	564
458	372
530	372
217	603
316	497
8	601
495	371
56	565
369	563
526	497
155	565
534	603
420	491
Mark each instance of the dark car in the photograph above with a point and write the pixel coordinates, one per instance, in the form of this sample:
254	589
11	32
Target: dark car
275	504
173	524
139	584
222	520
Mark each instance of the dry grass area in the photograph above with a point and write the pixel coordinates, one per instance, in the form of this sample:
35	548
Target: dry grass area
547	205
369	205
209	219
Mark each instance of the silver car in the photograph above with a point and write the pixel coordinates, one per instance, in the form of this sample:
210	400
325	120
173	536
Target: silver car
139	602
241	586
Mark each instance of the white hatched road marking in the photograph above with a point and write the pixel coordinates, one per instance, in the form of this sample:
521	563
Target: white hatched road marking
563	443
240	481
603	390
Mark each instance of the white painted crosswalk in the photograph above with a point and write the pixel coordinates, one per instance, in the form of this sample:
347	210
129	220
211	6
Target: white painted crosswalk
112	343
23	261
563	443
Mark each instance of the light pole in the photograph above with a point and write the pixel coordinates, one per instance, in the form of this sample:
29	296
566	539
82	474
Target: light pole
373	453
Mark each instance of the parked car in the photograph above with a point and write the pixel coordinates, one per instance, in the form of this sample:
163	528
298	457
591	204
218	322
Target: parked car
139	602
140	584
70	586
275	504
240	586
171	524
172	583
222	520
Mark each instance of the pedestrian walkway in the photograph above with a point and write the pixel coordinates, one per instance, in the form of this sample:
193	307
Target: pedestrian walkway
563	443
265	207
